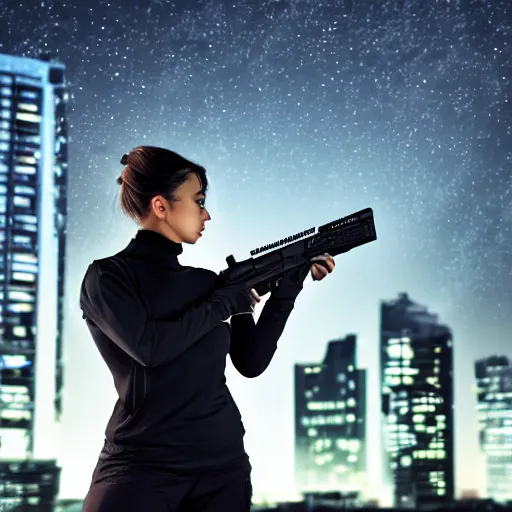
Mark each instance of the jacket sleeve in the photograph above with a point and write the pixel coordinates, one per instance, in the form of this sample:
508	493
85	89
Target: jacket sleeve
253	344
109	299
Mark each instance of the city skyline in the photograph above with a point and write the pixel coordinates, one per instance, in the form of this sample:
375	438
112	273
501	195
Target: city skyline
301	113
419	335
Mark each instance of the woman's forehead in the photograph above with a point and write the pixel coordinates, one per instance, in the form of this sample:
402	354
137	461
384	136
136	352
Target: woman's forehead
193	184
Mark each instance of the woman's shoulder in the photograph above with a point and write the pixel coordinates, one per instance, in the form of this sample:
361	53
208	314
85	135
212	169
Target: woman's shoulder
115	266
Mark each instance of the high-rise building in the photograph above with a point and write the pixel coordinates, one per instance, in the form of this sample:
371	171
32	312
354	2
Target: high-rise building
416	361
33	181
28	485
330	421
494	388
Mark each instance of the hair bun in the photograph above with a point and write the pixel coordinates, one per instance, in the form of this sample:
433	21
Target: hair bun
124	159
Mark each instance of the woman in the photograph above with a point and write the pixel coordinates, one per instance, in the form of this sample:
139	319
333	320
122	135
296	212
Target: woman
175	439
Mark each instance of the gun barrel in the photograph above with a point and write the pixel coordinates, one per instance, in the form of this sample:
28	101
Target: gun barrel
335	238
342	238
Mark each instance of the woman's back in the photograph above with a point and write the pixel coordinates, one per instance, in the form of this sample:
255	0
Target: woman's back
174	408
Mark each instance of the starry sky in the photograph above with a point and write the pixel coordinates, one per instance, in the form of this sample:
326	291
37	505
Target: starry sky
302	112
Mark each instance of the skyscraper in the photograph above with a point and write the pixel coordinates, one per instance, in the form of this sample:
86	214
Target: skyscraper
330	421
33	180
416	362
494	388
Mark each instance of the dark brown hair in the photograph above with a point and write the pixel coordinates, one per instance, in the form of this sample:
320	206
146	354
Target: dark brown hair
150	171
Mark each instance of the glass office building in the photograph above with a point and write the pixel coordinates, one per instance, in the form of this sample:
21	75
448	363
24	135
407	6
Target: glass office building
494	403
33	180
330	421
416	362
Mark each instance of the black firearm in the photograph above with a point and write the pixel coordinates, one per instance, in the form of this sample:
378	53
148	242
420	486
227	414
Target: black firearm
337	237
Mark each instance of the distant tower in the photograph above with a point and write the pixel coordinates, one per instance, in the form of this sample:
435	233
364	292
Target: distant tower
417	401
330	420
494	385
33	181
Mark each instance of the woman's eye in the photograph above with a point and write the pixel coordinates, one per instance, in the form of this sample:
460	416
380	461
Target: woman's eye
200	202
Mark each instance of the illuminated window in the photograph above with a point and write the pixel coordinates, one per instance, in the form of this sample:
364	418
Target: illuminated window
394	351
31	118
405	461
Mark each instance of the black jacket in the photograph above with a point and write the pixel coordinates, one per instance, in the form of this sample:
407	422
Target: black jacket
162	331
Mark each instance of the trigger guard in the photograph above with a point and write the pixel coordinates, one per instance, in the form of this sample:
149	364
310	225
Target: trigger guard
263	288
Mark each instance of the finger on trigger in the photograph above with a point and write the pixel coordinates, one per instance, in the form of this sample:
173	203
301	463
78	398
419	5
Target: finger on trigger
255	294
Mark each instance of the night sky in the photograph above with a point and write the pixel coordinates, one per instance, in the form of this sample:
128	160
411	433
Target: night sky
302	112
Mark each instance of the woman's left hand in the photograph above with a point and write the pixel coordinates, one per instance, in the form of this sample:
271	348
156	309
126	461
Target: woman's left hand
318	270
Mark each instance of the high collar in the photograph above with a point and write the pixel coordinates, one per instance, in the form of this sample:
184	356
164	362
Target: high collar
147	243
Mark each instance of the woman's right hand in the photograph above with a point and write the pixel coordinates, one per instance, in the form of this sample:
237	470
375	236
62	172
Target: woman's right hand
239	298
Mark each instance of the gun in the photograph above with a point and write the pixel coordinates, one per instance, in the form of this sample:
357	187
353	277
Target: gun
261	271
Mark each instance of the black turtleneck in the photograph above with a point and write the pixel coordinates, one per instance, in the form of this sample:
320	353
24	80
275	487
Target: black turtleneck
165	339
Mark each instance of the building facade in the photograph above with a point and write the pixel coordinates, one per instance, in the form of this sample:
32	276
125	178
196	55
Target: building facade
330	422
494	404
416	361
33	192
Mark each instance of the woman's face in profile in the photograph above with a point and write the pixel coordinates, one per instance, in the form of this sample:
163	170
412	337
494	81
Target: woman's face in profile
188	215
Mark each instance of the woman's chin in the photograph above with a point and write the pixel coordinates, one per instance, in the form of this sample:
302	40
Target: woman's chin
194	239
